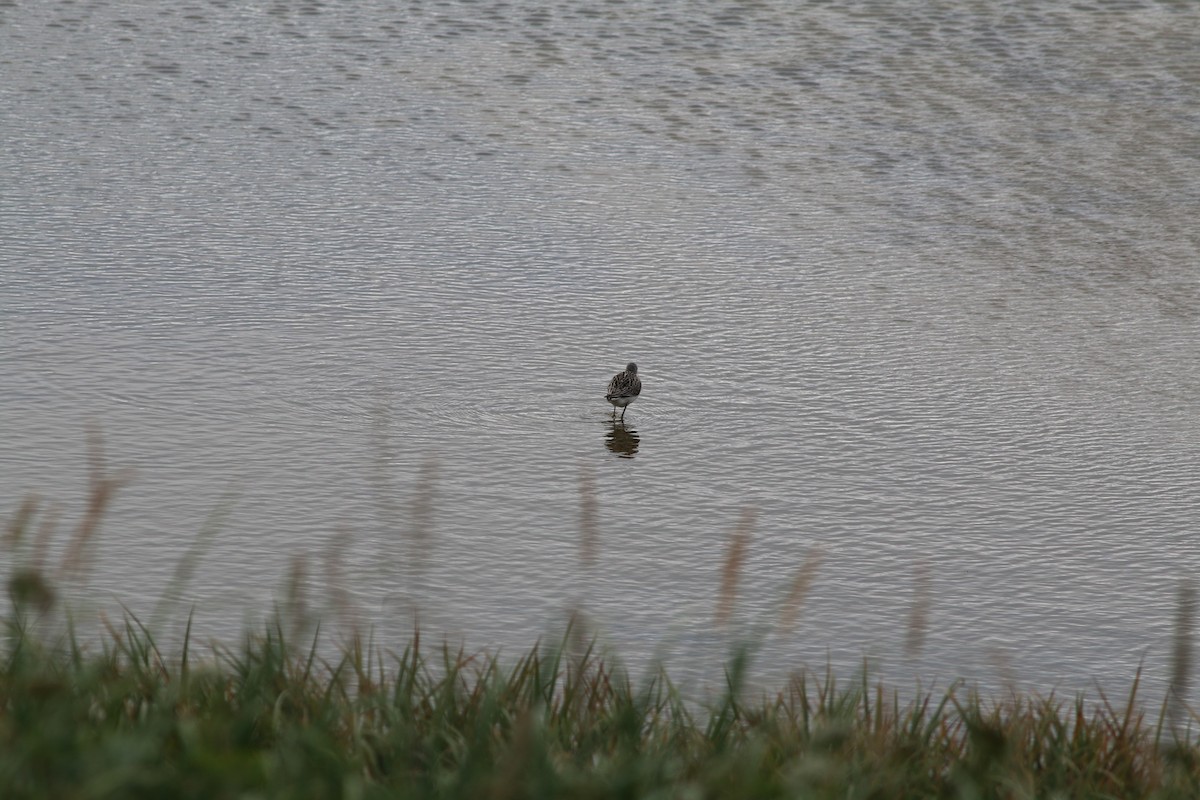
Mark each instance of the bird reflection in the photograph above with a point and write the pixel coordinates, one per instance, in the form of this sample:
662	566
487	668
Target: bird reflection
621	440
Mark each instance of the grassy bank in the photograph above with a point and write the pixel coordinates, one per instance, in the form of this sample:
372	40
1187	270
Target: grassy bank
271	717
263	720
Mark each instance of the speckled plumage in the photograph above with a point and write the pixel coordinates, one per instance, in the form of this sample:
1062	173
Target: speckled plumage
624	388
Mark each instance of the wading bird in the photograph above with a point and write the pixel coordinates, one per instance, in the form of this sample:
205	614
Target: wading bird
624	388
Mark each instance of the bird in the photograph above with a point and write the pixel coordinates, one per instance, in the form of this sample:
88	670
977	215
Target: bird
624	388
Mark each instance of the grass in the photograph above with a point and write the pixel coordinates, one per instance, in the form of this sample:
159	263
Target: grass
272	717
265	720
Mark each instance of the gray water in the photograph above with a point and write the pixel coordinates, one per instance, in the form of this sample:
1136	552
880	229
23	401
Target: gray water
341	285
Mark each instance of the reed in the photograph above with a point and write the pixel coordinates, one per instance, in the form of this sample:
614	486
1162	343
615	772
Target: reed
731	571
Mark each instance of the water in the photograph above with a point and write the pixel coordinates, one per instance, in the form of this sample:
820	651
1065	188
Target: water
915	282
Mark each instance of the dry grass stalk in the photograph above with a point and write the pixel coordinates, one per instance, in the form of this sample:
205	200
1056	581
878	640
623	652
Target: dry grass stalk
45	532
421	514
918	615
1181	657
101	488
798	593
739	543
1006	673
295	608
20	522
189	562
578	640
28	586
385	492
335	578
589	536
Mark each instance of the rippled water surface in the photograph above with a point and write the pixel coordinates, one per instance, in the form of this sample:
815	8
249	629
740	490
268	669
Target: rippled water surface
916	283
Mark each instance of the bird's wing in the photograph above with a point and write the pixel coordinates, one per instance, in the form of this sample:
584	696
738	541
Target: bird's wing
624	385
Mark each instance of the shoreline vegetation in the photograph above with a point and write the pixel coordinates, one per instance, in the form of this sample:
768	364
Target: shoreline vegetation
264	719
274	715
